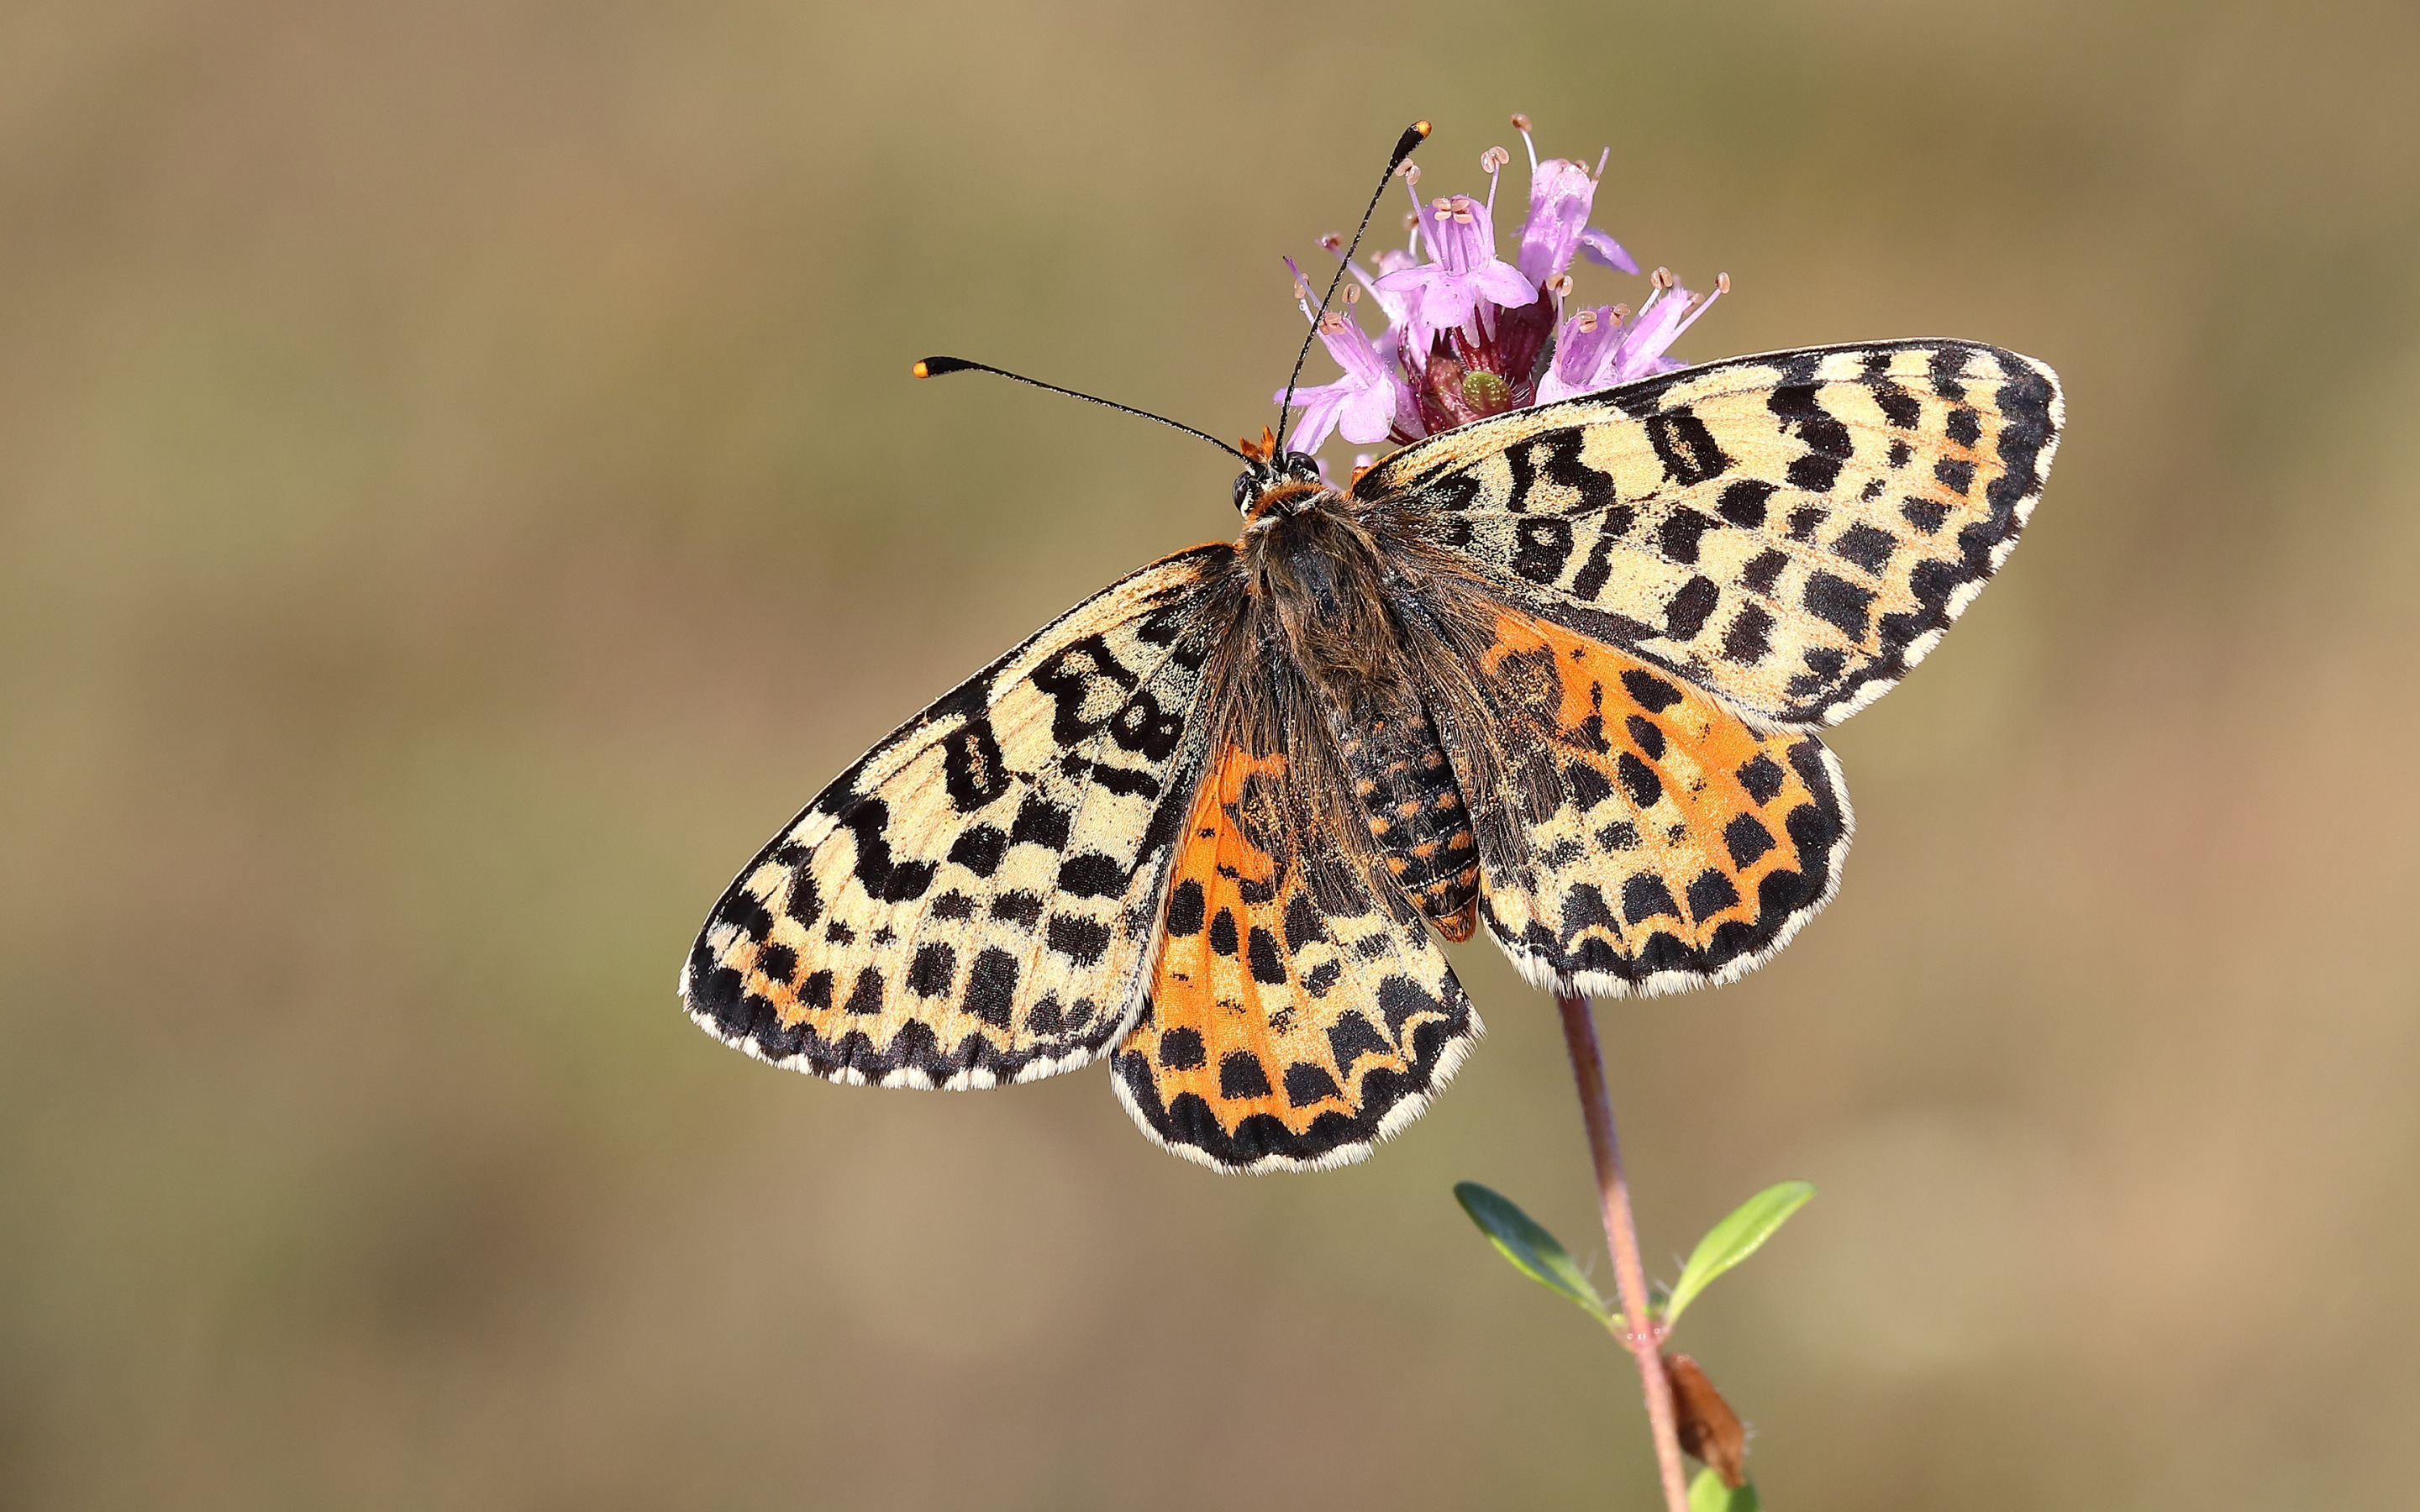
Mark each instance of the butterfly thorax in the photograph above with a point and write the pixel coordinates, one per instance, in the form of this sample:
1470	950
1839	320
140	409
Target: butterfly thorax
1329	594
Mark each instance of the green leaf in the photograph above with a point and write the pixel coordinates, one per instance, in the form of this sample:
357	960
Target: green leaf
1708	1493
1734	1240
1534	1252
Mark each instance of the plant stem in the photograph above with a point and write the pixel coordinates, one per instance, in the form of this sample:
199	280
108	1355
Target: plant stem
1621	1235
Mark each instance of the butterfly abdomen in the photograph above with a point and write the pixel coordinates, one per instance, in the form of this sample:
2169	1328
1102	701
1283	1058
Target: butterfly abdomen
1415	811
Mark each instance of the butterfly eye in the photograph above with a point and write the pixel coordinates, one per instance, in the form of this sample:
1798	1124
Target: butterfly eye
1242	492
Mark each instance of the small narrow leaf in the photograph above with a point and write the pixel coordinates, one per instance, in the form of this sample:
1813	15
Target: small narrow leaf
1734	1240
1534	1252
1708	1493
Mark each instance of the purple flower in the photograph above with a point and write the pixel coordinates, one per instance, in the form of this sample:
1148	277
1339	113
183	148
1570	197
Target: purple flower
1468	334
1462	274
1560	192
1601	348
1366	404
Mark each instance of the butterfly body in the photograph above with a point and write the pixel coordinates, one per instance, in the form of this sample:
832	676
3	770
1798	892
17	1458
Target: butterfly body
1555	672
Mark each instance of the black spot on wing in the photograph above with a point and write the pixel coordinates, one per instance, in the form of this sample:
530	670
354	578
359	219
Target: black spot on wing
1677	537
1649	738
1947	366
1181	1049
1092	875
1588	786
1353	1036
1747	840
802	901
1750	636
1644	896
991	986
747	913
1839	602
1763	777
1596	571
1686	447
1687	611
1639	780
1185	908
779	962
1866	546
1018	908
1260	950
1710	894
1081	940
1743	503
1812	473
1241	1075
971	768
930	973
980	849
1039	822
1307	1083
1542	543
1649	691
1302	924
866	997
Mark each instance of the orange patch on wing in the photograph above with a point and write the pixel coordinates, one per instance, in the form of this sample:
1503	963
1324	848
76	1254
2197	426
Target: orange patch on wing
1292	1019
1668	814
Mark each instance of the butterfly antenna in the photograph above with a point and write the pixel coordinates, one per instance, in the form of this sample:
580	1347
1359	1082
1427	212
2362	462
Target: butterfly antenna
1413	136
937	366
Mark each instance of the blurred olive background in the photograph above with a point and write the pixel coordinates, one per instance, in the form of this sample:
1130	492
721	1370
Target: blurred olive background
461	490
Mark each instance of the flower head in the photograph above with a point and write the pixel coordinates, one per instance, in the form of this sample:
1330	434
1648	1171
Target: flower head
1468	334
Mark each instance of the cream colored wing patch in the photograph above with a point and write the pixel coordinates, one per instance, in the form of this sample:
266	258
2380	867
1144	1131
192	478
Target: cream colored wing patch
978	899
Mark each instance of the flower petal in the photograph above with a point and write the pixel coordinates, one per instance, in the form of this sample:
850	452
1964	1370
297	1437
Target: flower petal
1598	247
1560	192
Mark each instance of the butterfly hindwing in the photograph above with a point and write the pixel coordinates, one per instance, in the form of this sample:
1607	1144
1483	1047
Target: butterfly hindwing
1792	531
1300	1010
976	901
1636	835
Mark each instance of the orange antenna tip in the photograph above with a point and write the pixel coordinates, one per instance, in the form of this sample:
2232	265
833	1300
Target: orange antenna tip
1421	129
919	369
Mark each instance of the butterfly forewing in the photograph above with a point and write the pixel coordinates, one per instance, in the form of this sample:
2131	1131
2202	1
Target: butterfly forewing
978	899
1792	531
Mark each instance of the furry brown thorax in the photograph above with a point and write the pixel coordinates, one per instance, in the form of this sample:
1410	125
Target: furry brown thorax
1325	593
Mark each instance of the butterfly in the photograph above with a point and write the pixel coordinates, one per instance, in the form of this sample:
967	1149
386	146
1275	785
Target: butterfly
1557	674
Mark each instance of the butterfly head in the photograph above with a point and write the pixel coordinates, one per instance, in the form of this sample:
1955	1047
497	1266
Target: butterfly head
1282	483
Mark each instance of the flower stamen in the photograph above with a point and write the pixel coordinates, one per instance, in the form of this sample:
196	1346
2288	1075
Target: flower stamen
1491	162
1521	124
